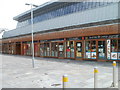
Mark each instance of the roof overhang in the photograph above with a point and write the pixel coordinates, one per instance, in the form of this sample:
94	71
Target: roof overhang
35	10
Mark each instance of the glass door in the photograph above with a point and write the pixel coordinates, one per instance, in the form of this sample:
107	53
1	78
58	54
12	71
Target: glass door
70	49
79	50
48	49
54	49
101	50
61	50
41	49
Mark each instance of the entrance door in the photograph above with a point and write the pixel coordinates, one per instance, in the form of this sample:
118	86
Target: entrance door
54	49
70	53
61	49
79	50
101	50
36	49
18	49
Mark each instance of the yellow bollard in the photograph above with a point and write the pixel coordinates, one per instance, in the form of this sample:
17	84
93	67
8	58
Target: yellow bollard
96	77
65	81
114	74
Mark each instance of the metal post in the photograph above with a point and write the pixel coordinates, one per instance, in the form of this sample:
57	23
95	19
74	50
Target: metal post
65	81
32	31
114	74
96	77
32	35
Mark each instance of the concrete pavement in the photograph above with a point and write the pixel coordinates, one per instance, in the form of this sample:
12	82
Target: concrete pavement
17	72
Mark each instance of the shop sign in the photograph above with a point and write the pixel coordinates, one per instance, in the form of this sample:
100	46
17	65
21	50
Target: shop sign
52	40
108	49
114	55
102	37
77	38
113	36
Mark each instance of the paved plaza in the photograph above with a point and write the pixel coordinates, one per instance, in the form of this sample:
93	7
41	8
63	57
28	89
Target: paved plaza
17	72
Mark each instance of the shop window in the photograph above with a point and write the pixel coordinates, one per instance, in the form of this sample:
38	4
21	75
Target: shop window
114	45
114	49
68	49
118	49
48	49
54	51
41	49
36	46
91	49
45	49
12	48
78	49
61	49
72	49
101	50
88	52
28	49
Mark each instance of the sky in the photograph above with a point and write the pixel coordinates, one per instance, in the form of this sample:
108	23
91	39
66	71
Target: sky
12	8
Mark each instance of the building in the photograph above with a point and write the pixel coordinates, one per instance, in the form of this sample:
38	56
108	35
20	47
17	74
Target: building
2	30
69	30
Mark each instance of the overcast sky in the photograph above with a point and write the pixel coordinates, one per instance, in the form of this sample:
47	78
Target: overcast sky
11	8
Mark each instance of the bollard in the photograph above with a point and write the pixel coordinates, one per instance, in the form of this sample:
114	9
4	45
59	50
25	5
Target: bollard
114	74
65	81
96	77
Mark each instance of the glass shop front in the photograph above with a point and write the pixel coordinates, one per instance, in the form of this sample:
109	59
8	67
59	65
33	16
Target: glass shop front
105	47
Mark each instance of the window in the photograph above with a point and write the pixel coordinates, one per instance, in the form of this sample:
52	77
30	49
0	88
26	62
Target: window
41	49
78	49
48	49
114	49
91	49
63	10
70	49
119	49
101	50
114	45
